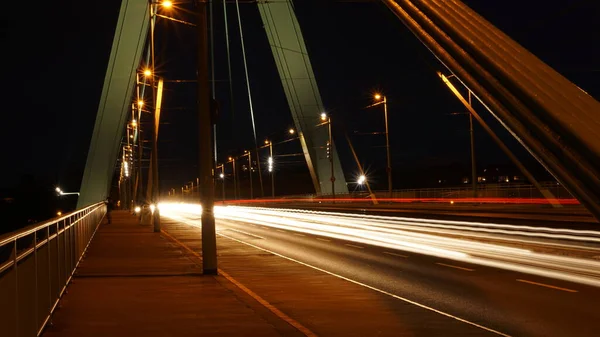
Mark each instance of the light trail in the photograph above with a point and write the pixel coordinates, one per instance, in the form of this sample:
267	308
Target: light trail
424	236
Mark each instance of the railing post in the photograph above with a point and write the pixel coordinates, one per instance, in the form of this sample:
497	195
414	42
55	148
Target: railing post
49	268
36	291
15	267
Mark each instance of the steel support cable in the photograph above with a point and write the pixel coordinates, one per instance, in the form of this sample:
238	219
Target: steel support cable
237	7
584	101
498	109
226	24
521	88
512	69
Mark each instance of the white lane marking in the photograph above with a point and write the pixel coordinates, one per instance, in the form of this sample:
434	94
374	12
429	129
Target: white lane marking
355	246
321	239
395	254
246	233
547	286
453	266
373	288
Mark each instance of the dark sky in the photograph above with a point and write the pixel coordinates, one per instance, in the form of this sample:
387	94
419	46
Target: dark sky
55	56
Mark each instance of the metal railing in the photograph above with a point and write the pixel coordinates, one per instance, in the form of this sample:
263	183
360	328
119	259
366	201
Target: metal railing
36	265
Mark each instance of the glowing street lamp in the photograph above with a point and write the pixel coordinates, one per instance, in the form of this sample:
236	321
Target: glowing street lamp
327	119
291	131
167	4
147	72
140	103
235	187
381	99
60	192
361	179
270	167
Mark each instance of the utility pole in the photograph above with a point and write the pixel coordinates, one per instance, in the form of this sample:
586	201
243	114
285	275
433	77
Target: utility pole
207	194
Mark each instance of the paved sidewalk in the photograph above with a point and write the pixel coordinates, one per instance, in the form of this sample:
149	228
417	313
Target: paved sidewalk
134	282
137	283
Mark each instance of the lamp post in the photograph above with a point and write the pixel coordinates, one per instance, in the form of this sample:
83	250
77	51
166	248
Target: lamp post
326	119
383	100
270	167
60	192
206	163
249	154
235	185
222	176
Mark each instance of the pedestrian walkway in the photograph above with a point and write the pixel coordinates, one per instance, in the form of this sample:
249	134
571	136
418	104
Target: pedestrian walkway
133	282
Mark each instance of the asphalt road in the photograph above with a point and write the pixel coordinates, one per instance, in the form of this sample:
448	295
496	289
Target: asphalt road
510	302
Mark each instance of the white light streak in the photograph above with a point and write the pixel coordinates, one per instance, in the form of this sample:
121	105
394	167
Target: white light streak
457	240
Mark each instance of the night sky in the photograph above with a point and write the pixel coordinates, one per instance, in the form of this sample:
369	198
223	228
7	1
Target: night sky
55	56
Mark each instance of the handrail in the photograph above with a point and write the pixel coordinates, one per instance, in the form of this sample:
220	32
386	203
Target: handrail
11	236
36	265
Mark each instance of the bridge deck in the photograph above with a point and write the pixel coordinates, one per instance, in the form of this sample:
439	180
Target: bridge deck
137	283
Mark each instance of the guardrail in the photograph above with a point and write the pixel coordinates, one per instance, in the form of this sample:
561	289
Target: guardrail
36	265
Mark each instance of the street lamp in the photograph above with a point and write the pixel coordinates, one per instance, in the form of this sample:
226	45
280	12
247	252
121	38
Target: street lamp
235	187
381	99
327	120
147	72
270	167
167	4
361	179
60	192
291	131
249	154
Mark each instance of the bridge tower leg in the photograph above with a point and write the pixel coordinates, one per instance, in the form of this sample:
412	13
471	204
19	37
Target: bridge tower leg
128	45
302	93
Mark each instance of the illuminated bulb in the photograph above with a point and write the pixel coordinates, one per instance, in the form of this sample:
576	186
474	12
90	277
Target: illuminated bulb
323	116
377	96
147	72
167	4
152	208
137	209
291	131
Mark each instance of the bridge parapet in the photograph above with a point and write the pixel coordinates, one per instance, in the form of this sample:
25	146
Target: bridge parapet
36	265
